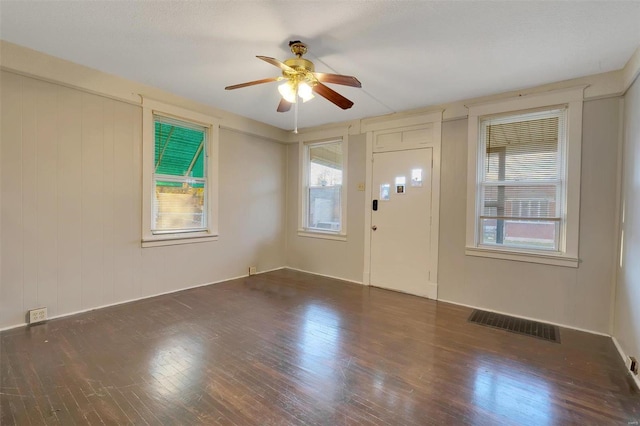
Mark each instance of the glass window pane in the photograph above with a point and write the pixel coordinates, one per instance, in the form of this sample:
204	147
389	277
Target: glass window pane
179	148
325	185
525	234
324	208
520	201
522	150
325	164
521	194
178	206
179	176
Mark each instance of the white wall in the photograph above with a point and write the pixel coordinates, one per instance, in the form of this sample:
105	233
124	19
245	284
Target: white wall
70	222
576	297
579	298
627	306
70	247
342	259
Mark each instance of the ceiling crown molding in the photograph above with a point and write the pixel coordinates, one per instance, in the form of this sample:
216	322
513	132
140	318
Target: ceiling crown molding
631	70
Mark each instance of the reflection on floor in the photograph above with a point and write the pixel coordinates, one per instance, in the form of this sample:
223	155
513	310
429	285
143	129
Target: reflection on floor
291	348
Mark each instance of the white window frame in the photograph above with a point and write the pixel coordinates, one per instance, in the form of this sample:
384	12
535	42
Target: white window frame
319	138
149	109
572	100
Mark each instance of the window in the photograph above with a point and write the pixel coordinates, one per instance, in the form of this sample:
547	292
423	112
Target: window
521	180
525	194
323	204
180	153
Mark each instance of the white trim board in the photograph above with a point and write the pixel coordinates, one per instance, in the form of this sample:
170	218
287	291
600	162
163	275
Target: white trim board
10	327
433	120
568	247
626	361
631	70
323	275
430	292
623	356
22	60
571	327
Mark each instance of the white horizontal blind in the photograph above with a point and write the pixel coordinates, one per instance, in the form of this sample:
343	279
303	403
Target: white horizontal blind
522	181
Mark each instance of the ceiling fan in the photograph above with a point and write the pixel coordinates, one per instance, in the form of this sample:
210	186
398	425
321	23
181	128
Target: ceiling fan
301	80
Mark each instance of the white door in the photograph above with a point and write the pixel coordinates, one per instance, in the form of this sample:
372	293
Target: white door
400	223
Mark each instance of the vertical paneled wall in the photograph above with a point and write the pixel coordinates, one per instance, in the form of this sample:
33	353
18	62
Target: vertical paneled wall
70	198
70	165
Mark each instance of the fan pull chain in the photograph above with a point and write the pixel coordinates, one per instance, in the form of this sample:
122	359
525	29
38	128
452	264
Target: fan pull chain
295	115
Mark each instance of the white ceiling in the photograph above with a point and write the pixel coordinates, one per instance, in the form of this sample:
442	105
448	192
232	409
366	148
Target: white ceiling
407	54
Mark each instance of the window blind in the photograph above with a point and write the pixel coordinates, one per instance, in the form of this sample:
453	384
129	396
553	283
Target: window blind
522	180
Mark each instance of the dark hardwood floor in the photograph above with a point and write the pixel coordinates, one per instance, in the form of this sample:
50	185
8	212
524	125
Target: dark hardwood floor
291	348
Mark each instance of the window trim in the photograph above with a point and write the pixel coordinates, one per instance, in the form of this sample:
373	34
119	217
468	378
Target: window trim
572	99
305	141
149	109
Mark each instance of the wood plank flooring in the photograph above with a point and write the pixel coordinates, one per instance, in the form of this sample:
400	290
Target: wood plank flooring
291	348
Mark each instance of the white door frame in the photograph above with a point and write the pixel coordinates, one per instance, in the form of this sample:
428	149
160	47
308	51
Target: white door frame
372	129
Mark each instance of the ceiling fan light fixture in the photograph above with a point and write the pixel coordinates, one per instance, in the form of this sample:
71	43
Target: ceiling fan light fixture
288	92
302	80
305	92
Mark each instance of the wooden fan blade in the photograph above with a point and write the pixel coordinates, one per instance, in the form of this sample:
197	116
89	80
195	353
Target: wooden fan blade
251	83
332	96
277	63
284	105
345	80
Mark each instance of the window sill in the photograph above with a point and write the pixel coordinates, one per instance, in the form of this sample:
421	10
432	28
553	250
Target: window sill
523	256
322	235
174	239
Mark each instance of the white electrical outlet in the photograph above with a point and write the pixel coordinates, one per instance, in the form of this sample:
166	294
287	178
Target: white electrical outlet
37	315
252	270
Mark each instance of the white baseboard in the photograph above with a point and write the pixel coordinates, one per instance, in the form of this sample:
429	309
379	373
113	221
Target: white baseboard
271	270
627	362
624	356
527	318
138	298
430	291
324	275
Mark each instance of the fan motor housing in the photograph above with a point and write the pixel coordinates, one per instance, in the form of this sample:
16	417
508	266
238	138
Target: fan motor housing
300	64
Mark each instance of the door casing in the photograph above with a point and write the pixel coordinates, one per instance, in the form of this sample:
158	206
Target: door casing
416	131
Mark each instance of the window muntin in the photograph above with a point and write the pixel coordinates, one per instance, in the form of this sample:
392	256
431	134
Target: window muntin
521	186
323	201
180	177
